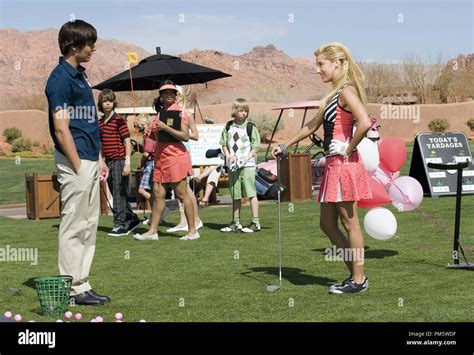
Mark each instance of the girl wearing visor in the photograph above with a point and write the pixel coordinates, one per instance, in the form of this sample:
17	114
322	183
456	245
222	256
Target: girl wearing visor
172	166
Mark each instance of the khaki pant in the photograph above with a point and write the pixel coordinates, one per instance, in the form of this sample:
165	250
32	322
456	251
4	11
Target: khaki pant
80	207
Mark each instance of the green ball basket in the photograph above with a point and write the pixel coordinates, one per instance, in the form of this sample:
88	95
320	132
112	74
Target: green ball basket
53	294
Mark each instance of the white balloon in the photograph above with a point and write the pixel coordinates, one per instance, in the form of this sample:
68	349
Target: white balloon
380	223
369	152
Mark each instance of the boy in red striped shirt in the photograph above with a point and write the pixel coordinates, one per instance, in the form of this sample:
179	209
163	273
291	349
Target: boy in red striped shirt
116	150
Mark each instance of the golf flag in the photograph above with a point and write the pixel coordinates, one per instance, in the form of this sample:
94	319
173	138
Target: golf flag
133	57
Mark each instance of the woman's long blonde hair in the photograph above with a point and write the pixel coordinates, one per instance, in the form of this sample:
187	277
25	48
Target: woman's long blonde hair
350	73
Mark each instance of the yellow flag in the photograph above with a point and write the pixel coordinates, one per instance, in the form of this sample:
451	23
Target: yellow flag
133	57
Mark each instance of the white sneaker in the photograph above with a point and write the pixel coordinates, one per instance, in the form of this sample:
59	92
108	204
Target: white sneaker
200	225
184	228
192	237
147	237
146	222
177	229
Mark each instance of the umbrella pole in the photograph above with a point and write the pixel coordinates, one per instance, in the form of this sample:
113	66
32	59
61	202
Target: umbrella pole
132	96
196	104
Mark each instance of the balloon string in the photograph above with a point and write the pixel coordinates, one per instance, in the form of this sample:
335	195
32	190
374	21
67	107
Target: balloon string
431	218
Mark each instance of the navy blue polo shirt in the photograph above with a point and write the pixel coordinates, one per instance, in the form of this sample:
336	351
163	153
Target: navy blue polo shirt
68	88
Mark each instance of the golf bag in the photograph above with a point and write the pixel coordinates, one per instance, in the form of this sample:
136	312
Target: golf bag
266	184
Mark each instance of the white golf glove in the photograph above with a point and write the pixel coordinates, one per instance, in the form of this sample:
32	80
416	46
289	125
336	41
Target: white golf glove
338	148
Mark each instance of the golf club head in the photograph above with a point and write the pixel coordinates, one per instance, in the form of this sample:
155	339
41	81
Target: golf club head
271	288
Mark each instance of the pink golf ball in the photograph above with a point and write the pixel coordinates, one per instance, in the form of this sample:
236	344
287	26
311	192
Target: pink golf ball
99	319
8	314
118	316
18	317
68	314
93	321
78	316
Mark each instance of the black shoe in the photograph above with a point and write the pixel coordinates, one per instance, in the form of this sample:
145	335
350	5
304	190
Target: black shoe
118	231
133	225
86	298
350	286
101	297
342	283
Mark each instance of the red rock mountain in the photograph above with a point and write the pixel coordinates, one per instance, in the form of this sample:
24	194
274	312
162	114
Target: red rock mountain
264	74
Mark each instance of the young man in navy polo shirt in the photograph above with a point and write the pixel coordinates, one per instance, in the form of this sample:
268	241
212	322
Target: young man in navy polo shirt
74	127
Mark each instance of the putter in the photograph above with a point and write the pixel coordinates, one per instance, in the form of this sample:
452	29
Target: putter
271	288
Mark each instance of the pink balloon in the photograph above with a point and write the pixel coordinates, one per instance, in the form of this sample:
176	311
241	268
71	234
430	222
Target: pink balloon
379	195
384	176
406	193
392	153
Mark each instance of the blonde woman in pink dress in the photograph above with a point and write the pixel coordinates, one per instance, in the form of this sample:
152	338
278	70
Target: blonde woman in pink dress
345	181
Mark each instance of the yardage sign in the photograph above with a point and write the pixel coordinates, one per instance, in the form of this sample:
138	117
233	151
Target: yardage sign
441	148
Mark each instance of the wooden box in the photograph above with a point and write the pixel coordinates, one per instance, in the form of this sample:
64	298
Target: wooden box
43	199
295	170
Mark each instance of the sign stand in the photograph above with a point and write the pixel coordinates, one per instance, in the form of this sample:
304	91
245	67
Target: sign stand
459	168
442	148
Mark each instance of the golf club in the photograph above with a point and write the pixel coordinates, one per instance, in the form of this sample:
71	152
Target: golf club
271	288
105	195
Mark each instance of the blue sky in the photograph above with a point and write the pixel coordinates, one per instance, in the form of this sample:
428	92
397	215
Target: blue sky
374	30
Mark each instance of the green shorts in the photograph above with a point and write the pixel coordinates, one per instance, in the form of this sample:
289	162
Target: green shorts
242	179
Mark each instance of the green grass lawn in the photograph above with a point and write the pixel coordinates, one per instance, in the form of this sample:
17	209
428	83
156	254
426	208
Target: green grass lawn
222	277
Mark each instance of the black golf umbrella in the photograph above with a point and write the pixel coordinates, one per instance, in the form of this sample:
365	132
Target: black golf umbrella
152	71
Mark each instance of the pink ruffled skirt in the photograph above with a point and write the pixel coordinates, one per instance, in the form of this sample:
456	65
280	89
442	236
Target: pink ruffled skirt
344	179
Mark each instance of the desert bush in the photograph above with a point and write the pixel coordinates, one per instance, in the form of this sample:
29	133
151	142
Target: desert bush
265	125
11	133
438	125
470	124
22	144
48	149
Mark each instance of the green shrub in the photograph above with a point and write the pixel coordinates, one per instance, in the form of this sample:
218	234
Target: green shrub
21	144
48	150
438	125
265	125
470	124
11	134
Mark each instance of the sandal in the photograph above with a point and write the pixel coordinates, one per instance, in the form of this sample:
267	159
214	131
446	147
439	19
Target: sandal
203	204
